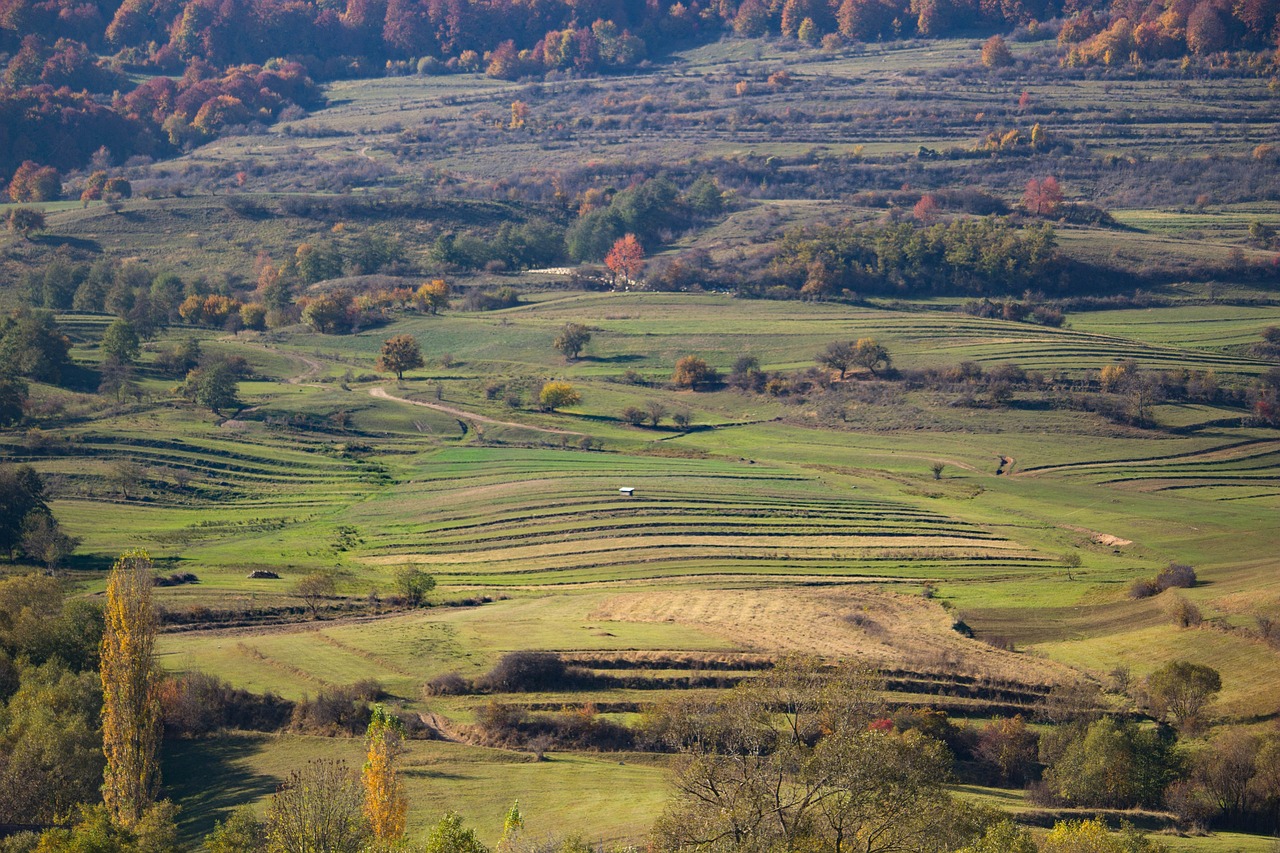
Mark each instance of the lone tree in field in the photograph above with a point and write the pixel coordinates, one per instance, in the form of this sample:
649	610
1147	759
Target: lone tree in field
869	354
130	691
995	53
399	354
572	339
693	372
1042	197
385	804
557	395
313	589
1184	690
838	356
414	584
626	258
25	221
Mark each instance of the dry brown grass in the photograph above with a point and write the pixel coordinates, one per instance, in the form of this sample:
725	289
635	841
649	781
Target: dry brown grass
911	633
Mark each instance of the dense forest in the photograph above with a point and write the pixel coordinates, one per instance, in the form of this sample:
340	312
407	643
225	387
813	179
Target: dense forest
79	76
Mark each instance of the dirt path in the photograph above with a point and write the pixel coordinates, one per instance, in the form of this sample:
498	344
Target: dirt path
442	727
381	393
313	367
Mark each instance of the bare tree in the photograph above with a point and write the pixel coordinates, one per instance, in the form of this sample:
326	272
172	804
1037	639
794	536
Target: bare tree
313	589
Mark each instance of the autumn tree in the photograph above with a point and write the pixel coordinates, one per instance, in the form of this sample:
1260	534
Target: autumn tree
1042	197
318	809
25	221
871	355
693	372
432	296
130	690
571	340
926	209
33	182
626	258
399	354
995	53
385	804
557	395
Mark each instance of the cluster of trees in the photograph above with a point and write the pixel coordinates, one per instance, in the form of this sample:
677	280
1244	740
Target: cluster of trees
55	128
649	213
525	245
1133	32
27	525
964	256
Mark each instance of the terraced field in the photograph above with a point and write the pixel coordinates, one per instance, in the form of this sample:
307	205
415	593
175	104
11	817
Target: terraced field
541	517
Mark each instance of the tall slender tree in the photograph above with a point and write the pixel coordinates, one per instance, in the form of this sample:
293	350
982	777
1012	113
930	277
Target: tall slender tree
384	800
130	691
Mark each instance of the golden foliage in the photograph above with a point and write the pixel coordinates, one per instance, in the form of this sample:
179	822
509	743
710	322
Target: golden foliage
385	804
130	690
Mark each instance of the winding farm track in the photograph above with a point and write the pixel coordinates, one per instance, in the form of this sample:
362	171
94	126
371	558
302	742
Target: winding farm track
381	393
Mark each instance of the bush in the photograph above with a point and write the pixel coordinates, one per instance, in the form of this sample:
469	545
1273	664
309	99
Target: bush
338	710
197	703
450	684
525	672
1142	588
1176	575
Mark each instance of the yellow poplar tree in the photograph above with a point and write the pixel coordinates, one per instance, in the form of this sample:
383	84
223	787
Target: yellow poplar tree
385	804
130	691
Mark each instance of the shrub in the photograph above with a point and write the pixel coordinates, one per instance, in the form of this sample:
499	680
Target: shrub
1176	575
338	710
449	684
524	672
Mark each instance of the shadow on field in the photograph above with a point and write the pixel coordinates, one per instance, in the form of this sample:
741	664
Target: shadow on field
210	779
64	241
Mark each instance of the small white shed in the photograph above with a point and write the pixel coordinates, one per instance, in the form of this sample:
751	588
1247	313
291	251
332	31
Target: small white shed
627	490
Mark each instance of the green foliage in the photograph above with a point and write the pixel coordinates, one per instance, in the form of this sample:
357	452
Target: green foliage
14	394
32	345
120	341
571	340
964	256
1183	690
1114	764
449	835
414	584
789	761
52	745
317	810
21	494
214	384
242	832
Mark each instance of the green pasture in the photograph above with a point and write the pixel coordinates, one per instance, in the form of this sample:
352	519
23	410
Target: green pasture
600	796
